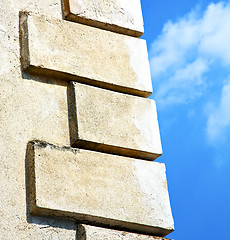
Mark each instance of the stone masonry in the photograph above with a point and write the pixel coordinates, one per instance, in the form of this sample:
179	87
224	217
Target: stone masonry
78	135
98	122
110	190
72	51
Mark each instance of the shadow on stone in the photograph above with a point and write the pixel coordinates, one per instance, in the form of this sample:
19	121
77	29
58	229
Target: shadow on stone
43	79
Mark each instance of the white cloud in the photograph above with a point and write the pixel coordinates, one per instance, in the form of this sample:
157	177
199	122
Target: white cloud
183	85
215	25
219	117
187	50
186	56
171	48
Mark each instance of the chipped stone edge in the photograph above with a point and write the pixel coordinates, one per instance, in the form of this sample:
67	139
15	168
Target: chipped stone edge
33	208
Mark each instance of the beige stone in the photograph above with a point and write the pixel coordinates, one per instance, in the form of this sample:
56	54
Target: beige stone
122	16
30	108
86	232
113	122
97	188
72	51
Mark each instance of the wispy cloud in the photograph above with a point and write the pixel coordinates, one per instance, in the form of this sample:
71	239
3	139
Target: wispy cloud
184	83
186	54
219	116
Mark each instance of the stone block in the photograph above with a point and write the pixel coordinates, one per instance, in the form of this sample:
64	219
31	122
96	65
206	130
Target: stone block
112	122
86	232
99	189
72	51
115	15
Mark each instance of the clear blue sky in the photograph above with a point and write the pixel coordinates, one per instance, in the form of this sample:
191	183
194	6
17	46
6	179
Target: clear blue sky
189	52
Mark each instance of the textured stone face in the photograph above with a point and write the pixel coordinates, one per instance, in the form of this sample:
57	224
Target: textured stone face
122	16
36	107
72	51
86	232
30	108
99	188
113	122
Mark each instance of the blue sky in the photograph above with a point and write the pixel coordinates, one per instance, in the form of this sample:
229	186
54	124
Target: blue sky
189	52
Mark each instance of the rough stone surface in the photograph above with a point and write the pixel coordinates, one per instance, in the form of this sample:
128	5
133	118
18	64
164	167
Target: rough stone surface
72	51
86	232
113	122
123	16
98	188
30	108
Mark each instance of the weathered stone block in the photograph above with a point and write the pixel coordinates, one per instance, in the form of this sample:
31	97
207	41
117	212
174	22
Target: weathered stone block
86	232
72	51
99	189
119	16
112	122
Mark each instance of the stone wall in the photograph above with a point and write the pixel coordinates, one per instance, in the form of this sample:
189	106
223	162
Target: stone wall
41	53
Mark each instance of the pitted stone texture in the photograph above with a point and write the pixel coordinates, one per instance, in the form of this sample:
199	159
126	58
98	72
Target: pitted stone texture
30	108
72	51
112	122
122	16
100	189
86	232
